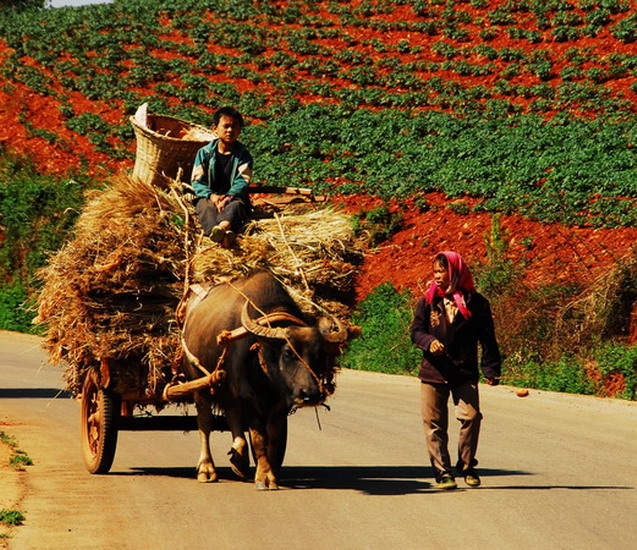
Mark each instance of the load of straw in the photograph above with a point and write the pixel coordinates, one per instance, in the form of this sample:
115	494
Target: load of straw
313	253
111	293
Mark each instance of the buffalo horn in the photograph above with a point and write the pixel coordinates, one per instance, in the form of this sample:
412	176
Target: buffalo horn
337	336
276	333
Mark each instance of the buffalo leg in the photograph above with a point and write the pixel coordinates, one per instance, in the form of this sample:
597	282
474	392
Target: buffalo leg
264	477
277	440
239	459
206	472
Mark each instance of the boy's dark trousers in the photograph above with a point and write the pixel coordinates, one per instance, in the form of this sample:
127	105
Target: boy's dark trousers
235	212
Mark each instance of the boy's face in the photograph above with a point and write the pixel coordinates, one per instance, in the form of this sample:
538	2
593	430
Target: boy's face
228	130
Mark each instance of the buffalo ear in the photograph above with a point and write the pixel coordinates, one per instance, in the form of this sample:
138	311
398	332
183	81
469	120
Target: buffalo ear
326	328
353	331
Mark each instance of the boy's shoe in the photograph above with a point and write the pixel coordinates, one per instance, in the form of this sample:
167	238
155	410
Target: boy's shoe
229	238
217	234
446	482
472	479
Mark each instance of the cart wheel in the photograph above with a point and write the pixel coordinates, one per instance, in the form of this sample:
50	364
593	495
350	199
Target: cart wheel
100	414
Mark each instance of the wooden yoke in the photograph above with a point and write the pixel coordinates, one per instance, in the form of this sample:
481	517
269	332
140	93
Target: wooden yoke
178	390
183	390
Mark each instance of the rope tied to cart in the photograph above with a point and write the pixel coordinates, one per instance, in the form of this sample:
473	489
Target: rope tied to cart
212	379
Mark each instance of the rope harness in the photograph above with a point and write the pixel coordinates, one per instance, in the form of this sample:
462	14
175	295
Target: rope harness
227	337
289	317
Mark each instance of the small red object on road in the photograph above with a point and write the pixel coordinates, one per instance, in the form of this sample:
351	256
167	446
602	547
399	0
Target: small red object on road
522	393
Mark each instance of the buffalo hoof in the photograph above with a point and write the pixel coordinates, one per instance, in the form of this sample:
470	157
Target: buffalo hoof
239	464
207	475
267	485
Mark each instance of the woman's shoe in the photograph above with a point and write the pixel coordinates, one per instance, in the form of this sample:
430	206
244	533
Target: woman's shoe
471	478
446	482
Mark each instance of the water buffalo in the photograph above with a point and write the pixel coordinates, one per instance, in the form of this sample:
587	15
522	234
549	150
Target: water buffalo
272	365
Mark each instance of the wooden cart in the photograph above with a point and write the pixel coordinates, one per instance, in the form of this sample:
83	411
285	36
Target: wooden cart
105	412
108	405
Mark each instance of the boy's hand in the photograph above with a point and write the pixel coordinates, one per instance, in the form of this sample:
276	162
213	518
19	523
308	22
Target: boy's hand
437	347
221	203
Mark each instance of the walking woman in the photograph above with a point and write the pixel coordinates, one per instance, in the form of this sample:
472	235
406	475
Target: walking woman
449	322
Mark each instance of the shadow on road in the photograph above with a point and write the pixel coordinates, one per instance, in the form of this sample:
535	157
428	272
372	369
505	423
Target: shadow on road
33	393
371	480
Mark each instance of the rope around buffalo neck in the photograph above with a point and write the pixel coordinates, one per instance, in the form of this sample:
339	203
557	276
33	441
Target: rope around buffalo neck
298	355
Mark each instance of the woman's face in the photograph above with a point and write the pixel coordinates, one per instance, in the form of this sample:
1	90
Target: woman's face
441	276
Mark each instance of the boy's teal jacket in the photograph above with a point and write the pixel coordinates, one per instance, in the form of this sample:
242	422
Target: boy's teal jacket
203	172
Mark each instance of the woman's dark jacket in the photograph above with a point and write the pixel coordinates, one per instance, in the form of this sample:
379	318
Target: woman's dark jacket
459	363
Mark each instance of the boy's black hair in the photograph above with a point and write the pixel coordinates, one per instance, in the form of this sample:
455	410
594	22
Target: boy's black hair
229	112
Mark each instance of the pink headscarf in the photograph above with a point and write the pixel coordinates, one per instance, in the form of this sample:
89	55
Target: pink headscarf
459	279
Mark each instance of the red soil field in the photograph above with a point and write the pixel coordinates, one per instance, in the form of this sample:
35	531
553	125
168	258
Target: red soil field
549	252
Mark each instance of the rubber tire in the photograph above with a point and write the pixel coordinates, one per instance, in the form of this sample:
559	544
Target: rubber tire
100	413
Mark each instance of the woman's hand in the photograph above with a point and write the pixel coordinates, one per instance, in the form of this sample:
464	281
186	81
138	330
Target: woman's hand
437	347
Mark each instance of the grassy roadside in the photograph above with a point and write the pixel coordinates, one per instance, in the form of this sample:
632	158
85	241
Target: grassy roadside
13	463
562	338
37	213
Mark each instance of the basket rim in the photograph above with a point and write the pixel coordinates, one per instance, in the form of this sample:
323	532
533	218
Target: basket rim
153	133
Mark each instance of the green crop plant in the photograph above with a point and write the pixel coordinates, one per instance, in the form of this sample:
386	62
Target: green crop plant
626	29
385	343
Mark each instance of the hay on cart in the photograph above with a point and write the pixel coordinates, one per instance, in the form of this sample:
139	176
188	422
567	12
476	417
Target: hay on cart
111	293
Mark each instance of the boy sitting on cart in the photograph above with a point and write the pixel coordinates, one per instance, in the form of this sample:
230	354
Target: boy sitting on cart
220	179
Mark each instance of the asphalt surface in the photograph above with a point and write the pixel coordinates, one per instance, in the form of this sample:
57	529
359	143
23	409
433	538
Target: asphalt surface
558	472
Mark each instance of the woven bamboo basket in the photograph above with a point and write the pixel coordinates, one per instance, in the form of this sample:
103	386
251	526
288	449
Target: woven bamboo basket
165	144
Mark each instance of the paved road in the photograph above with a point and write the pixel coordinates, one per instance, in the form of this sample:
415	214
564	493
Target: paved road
558	471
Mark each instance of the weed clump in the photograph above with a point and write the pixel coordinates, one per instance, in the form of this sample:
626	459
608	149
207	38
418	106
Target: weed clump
377	225
11	517
385	344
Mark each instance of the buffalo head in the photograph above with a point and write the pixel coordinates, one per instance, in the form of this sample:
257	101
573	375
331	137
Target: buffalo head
299	358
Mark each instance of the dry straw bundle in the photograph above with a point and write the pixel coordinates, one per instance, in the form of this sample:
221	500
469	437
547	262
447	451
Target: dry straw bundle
313	253
111	293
